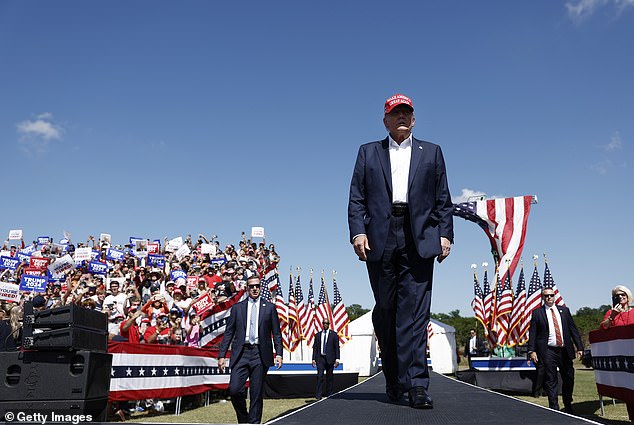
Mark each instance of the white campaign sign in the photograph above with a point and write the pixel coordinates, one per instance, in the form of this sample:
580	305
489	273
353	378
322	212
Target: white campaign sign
208	248
84	253
174	244
182	251
61	266
9	292
15	234
257	232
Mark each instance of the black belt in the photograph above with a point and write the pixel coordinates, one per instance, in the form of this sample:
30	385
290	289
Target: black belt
399	209
247	345
552	347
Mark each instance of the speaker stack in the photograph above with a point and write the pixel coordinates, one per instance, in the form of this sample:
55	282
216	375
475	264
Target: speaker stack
65	367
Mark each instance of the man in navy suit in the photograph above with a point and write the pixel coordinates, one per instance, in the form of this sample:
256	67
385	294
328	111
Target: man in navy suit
552	338
250	326
325	358
400	219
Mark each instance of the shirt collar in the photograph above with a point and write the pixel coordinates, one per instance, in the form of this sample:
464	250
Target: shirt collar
404	144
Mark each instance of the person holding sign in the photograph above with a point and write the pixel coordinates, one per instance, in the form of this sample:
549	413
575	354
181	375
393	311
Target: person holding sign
400	219
250	326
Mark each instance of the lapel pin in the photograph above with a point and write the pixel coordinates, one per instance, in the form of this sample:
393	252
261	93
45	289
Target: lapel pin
420	147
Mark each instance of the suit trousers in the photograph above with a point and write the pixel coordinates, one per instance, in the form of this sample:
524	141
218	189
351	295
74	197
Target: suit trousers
553	358
324	372
401	283
249	365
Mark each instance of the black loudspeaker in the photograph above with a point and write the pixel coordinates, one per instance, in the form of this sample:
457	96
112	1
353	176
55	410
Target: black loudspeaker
67	339
63	376
69	315
66	411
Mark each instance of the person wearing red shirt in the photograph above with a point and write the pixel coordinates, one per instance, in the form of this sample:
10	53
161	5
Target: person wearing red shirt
129	328
158	334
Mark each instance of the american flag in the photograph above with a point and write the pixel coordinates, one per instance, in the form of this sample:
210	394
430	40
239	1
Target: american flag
214	322
504	221
430	333
340	315
294	333
265	294
477	304
271	277
516	332
503	310
534	299
311	324
282	315
302	311
487	301
323	310
549	282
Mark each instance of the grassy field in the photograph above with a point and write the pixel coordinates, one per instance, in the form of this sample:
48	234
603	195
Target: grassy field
585	404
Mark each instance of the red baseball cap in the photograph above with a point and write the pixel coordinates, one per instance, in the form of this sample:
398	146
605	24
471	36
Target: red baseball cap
398	99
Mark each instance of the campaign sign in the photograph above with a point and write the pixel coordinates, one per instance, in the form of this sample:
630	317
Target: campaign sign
115	254
32	283
218	261
61	266
43	240
95	267
39	262
82	254
257	232
174	244
22	256
94	254
29	250
191	282
176	274
133	240
9	292
15	234
182	251
153	248
208	248
202	304
9	263
34	271
156	260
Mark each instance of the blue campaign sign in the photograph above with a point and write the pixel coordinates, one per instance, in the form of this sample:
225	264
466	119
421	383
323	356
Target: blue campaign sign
175	274
94	254
115	254
43	240
156	260
9	262
32	283
29	250
95	267
218	261
133	240
22	256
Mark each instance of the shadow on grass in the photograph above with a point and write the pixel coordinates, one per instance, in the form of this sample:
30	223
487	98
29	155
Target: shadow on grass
587	409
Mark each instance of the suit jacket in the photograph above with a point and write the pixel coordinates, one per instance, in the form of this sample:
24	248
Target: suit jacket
430	206
236	331
332	346
538	333
479	347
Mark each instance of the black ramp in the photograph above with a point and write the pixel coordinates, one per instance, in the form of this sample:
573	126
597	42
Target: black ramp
454	403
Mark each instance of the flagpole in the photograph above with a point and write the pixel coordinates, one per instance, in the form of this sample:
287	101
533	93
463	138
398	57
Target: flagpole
299	323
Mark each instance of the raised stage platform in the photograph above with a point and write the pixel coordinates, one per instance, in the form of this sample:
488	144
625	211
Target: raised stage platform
454	403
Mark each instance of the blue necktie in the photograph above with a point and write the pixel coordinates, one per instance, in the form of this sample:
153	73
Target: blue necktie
253	323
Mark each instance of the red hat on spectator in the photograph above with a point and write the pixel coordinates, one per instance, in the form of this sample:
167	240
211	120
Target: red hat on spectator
146	320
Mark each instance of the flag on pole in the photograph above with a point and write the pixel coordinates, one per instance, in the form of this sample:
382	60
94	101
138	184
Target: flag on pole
323	310
504	306
271	277
549	283
302	312
504	221
282	315
516	331
311	324
294	335
477	304
488	301
340	315
214	322
534	298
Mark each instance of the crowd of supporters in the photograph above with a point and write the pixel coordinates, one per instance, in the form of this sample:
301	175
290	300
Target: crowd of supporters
144	303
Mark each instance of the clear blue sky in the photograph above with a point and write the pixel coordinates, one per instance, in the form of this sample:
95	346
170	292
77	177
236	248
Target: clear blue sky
154	118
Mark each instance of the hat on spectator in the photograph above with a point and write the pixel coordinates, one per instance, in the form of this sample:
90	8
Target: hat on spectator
178	291
169	282
176	310
39	301
146	320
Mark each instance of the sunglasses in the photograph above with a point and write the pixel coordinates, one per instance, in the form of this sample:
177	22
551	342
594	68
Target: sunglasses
548	295
621	295
254	286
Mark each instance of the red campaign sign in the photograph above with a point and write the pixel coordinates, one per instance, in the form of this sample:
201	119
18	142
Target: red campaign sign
34	271
153	248
202	304
39	263
191	282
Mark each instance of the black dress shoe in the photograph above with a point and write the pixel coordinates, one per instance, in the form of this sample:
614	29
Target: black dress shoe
419	399
568	409
394	395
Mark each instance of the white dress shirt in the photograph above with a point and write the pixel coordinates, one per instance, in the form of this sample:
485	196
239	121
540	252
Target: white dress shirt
251	304
552	340
400	157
